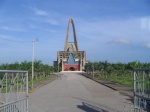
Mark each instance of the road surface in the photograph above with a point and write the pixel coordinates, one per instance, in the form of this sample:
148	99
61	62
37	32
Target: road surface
75	93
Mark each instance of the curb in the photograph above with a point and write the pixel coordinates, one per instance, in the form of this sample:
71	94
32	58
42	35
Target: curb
46	82
100	82
115	89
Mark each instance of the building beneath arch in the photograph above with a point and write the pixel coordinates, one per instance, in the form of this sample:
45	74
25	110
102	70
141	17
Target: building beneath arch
71	59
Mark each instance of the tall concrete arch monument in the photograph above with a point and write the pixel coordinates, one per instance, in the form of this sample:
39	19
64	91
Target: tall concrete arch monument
71	59
67	45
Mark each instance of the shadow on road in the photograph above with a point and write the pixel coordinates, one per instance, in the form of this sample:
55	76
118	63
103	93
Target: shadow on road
90	108
130	97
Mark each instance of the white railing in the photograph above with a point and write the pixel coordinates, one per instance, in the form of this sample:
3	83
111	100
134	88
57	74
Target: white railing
13	91
142	90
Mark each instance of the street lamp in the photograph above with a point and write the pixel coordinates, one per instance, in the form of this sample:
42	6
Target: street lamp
33	60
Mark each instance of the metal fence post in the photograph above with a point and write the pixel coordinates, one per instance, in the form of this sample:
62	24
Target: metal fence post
27	92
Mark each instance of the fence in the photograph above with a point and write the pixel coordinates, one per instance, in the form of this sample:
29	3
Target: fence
142	90
13	91
124	78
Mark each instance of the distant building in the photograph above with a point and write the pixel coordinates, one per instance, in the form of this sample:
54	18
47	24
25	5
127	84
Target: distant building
71	59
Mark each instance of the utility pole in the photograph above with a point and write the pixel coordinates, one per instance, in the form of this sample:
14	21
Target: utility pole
33	60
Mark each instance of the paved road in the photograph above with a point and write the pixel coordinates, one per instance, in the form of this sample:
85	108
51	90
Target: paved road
75	93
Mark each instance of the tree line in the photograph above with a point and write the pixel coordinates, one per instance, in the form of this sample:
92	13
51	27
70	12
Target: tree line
27	65
40	69
117	72
110	67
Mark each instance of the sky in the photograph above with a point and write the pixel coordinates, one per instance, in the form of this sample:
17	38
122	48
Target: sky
108	30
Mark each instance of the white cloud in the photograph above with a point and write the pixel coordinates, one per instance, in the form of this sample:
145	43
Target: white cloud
145	23
50	17
6	28
147	45
2	36
100	30
52	21
11	28
11	38
39	11
121	41
48	20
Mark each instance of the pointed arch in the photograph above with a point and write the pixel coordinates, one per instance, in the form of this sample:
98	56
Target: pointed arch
74	34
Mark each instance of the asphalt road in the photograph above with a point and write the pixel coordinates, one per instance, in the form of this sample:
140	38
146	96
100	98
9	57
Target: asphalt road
75	93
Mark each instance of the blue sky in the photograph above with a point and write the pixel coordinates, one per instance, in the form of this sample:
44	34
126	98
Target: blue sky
112	30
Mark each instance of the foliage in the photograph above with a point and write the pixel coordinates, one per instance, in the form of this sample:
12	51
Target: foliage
27	65
40	69
111	67
117	72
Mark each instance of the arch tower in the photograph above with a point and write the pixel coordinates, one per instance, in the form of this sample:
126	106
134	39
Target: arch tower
71	59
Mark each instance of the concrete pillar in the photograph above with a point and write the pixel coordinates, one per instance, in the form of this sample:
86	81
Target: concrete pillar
80	64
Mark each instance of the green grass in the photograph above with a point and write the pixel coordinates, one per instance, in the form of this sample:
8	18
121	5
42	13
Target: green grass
128	83
40	79
123	80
